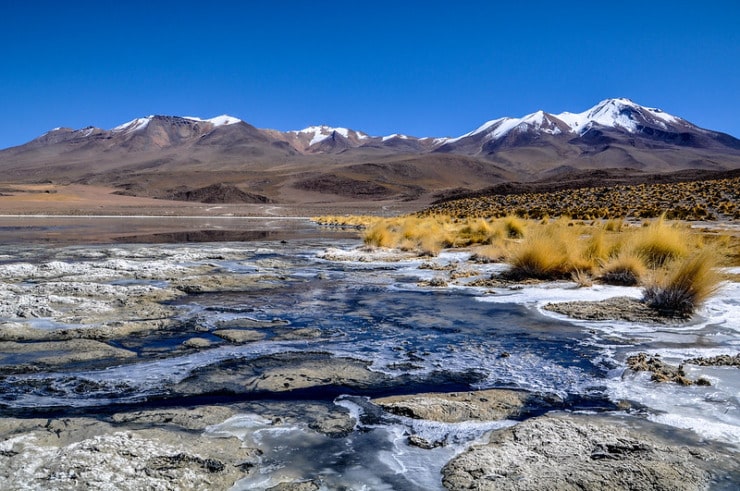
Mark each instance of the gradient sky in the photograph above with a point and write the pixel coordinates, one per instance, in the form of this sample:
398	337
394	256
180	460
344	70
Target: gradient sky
427	68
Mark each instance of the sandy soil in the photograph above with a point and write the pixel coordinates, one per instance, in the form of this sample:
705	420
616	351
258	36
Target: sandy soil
79	199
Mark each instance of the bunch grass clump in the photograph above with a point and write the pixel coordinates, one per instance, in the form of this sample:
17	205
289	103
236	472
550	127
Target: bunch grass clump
685	287
624	270
514	227
658	243
549	252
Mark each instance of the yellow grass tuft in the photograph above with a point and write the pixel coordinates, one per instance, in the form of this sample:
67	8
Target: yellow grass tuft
380	235
659	243
596	246
513	227
682	290
544	254
625	269
614	225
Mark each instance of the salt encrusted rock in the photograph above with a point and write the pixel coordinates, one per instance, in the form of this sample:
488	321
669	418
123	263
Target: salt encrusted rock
573	453
295	486
56	353
454	407
80	453
239	336
616	308
198	343
280	373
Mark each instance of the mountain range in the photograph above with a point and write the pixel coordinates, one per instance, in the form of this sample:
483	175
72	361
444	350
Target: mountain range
227	159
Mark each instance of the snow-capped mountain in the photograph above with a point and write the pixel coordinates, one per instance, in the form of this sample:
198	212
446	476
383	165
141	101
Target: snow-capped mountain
625	114
326	138
619	118
610	121
614	134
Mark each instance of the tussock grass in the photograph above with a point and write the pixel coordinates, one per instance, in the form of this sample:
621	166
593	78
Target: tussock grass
658	243
695	200
514	227
673	261
684	288
614	225
549	252
624	270
597	247
492	253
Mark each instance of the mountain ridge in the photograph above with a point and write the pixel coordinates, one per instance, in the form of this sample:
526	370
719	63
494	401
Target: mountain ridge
614	112
163	156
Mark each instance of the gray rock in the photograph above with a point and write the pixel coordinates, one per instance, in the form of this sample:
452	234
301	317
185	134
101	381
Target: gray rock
186	418
239	336
295	486
616	308
484	405
279	373
57	353
80	453
303	333
568	452
197	343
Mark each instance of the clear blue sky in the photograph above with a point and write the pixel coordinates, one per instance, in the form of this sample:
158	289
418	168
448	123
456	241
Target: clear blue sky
422	68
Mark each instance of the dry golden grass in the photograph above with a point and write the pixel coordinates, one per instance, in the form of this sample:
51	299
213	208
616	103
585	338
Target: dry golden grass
514	227
683	288
549	252
658	243
675	261
348	221
695	200
625	269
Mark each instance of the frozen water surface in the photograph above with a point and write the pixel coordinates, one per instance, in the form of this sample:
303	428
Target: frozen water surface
372	308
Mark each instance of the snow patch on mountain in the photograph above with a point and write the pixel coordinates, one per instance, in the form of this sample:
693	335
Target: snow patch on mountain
613	113
395	135
133	125
321	133
223	120
617	113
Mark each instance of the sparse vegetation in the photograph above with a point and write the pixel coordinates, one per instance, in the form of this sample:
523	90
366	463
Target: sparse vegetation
624	270
675	261
683	288
657	243
694	200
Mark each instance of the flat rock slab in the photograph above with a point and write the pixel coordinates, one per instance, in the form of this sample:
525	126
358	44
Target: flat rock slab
279	373
239	336
57	353
79	453
568	452
454	407
616	308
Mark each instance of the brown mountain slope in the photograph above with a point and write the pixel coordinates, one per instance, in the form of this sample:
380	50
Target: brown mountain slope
183	157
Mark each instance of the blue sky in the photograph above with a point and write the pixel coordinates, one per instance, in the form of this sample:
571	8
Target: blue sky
422	68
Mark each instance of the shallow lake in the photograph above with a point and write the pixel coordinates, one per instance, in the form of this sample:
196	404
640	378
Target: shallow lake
315	298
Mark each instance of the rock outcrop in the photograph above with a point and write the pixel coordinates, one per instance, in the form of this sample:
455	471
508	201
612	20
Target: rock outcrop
568	452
